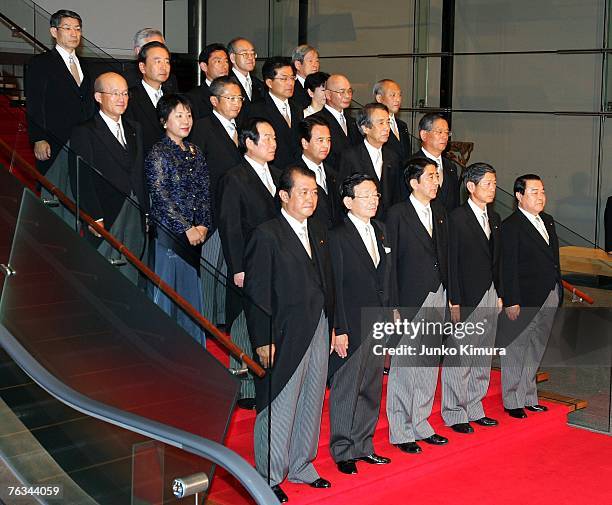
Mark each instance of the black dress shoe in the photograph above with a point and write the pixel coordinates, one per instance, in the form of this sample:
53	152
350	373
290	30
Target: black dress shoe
462	428
409	447
280	494
435	439
246	403
536	408
320	483
516	413
349	467
374	459
486	421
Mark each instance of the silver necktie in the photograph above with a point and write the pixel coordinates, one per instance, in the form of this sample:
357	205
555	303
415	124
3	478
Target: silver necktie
372	249
304	239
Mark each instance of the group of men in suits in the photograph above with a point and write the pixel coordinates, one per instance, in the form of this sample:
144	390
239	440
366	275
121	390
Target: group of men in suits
316	220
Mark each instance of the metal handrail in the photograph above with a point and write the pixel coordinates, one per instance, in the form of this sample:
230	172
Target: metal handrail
238	353
16	29
207	449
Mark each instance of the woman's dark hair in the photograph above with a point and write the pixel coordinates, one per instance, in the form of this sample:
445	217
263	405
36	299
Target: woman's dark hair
168	103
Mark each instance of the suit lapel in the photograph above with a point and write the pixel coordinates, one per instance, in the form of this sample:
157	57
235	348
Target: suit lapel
256	183
222	136
110	141
477	230
65	73
535	234
415	224
145	103
366	163
293	242
354	238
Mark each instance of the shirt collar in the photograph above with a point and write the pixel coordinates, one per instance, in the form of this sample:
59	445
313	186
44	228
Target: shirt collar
111	123
334	112
373	152
294	223
224	121
438	160
151	91
64	53
476	209
240	76
301	79
528	215
310	164
418	205
280	104
257	166
359	224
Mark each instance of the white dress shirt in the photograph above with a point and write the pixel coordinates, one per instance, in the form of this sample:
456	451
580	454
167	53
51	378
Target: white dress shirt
301	79
230	126
424	213
300	229
339	116
537	222
366	232
282	106
481	216
319	172
393	123
376	157
113	126
263	172
242	79
66	57
439	164
154	94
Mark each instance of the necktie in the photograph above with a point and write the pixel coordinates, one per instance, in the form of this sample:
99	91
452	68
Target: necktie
372	249
440	171
249	86
343	124
234	134
304	239
119	135
286	114
158	94
74	70
321	178
428	225
485	224
378	164
542	229
394	128
268	182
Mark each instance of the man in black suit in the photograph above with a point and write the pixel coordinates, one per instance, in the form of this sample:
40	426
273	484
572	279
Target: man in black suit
154	65
372	156
278	110
111	182
245	200
305	60
316	141
418	231
389	93
289	278
434	134
59	90
362	266
131	71
531	284
343	129
474	294
214	62
243	58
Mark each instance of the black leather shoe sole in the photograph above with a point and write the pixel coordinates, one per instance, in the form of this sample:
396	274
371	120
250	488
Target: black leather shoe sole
537	408
462	428
486	421
409	447
280	494
320	483
348	467
374	459
516	413
435	439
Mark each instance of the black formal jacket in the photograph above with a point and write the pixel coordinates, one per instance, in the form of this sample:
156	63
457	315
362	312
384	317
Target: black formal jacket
55	104
359	284
287	143
140	109
328	209
339	141
220	153
283	281
259	90
403	146
474	260
391	186
200	101
300	97
448	193
110	172
530	266
133	77
421	261
244	203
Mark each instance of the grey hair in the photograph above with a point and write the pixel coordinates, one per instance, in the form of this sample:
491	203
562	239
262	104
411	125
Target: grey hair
476	171
364	115
427	121
143	34
379	87
300	52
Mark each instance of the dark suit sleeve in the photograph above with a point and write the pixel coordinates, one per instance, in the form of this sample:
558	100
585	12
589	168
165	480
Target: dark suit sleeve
81	144
230	219
335	248
259	270
509	264
36	92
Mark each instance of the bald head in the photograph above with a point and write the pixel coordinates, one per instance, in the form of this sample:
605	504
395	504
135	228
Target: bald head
338	92
111	93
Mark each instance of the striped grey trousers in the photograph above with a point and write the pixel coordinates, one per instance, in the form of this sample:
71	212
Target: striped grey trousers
213	280
411	388
465	379
295	418
523	356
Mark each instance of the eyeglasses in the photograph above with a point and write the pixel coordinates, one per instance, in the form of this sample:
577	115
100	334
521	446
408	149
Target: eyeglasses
285	78
373	196
247	54
348	91
233	99
116	94
70	28
441	133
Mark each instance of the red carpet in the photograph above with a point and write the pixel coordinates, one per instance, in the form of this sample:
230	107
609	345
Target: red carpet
535	460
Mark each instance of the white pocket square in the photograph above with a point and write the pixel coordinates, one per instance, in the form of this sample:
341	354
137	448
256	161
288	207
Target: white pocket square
387	250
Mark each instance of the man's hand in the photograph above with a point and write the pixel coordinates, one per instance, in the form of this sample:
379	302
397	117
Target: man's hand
500	305
455	313
340	344
513	312
266	355
239	279
42	150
